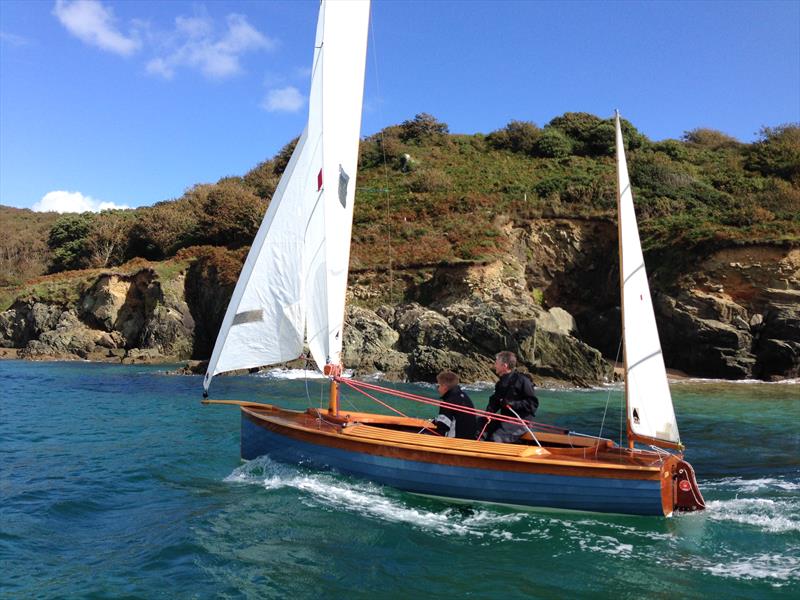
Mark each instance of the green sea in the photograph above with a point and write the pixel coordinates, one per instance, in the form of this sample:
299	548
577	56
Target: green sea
117	483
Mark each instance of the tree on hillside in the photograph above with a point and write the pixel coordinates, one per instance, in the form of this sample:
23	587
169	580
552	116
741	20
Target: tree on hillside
231	215
422	126
67	240
161	230
710	138
777	152
107	238
517	136
592	136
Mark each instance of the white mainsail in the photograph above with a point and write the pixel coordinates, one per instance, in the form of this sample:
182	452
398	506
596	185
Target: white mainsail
294	279
340	59
649	403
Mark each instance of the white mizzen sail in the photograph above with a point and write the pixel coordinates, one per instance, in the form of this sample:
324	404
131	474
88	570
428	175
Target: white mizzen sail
295	277
650	412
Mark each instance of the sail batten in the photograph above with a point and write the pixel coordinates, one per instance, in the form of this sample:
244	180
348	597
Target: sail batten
650	412
293	283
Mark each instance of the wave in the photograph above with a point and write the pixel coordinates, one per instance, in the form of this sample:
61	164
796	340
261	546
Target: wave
737	484
372	500
781	567
773	516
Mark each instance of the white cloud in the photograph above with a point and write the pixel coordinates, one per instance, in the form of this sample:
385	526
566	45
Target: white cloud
61	201
93	23
287	99
13	39
195	44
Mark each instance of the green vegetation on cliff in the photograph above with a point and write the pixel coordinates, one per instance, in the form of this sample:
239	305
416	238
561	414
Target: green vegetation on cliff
428	197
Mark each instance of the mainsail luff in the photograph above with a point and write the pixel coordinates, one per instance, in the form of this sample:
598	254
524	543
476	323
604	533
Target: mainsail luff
650	415
295	276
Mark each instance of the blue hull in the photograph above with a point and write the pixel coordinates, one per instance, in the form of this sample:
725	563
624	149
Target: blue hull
595	494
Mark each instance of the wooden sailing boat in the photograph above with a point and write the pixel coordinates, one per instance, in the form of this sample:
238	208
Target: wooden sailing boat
292	289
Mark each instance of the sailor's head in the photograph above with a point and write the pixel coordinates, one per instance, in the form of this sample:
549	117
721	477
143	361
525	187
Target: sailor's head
504	362
446	381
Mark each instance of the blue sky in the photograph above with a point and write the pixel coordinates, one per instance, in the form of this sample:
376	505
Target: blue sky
130	103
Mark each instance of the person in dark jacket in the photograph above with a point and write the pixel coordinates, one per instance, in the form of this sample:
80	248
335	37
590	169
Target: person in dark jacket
513	397
451	422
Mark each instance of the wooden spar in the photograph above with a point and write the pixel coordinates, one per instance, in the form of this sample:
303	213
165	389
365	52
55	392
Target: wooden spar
333	371
239	403
333	402
632	437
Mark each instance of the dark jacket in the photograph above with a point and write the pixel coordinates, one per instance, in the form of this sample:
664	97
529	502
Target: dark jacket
454	423
515	390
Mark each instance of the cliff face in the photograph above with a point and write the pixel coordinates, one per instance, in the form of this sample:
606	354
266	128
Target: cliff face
130	318
553	299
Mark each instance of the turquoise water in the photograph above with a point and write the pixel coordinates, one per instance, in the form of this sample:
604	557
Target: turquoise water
117	483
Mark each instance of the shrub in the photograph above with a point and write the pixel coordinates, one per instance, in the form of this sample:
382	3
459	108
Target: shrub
159	231
673	148
777	152
592	136
710	138
552	143
262	179
67	240
423	126
231	215
383	146
107	239
429	180
517	136
657	175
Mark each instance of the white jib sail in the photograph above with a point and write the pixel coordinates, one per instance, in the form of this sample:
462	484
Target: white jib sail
295	277
650	411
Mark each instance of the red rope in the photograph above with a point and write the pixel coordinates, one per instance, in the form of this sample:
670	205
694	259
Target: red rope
350	383
371	397
357	385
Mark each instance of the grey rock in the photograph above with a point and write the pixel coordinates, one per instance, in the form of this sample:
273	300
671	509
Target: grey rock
420	326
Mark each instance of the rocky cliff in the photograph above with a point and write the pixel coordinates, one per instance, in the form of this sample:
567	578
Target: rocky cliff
553	299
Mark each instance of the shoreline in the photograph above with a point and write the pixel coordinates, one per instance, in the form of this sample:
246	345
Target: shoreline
185	367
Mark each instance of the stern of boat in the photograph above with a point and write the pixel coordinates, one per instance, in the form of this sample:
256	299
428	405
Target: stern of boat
680	491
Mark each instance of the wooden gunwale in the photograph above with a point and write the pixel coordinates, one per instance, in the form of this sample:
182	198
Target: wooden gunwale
409	447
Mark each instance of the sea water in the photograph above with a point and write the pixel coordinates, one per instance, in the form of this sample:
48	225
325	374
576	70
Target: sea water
116	482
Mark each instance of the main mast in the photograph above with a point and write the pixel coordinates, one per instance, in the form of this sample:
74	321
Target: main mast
621	157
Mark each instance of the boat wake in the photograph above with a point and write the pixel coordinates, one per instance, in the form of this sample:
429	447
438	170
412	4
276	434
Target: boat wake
372	500
773	516
687	536
770	504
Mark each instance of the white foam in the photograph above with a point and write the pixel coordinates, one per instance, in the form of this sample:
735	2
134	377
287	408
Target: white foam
775	516
606	544
369	499
780	567
286	374
753	485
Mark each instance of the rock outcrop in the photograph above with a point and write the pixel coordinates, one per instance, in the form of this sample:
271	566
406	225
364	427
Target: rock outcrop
119	317
553	300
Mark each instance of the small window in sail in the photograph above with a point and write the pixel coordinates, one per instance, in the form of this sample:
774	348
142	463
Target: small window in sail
344	179
636	416
249	316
